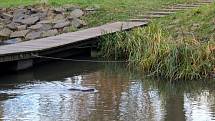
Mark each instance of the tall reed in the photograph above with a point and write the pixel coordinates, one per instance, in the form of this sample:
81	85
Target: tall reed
157	53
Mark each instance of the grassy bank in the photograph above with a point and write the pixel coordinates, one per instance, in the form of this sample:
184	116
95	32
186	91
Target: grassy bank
109	10
178	47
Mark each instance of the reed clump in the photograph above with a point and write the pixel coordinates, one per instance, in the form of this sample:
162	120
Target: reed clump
157	53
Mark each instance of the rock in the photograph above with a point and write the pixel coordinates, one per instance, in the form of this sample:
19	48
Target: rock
33	35
61	24
69	7
77	23
92	8
18	12
58	10
41	15
46	22
50	15
13	26
196	25
41	27
2	20
77	13
11	41
55	21
6	16
32	10
1	26
59	17
21	27
18	34
5	21
30	20
19	17
5	32
69	29
35	27
50	33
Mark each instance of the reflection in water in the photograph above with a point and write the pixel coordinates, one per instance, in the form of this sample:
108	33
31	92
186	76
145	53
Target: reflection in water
122	94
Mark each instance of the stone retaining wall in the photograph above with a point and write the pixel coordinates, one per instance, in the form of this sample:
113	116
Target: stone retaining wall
38	21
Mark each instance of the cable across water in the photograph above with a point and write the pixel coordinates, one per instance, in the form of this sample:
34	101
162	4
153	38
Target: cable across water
80	60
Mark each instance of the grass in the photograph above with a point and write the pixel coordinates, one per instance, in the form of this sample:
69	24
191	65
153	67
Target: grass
165	50
110	10
199	22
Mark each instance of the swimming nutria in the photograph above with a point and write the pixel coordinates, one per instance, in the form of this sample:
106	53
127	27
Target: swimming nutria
82	90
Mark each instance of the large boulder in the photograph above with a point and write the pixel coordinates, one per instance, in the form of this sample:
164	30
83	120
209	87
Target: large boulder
18	34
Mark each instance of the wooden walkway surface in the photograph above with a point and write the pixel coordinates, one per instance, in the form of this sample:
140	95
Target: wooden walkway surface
18	51
25	50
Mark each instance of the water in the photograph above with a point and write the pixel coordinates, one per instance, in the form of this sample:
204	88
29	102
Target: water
122	94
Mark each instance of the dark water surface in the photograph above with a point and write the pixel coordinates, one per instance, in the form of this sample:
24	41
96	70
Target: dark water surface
41	94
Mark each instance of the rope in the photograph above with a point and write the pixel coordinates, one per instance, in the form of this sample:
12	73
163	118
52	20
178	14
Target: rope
80	47
78	60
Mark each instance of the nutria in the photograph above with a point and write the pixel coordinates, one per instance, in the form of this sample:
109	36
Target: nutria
82	90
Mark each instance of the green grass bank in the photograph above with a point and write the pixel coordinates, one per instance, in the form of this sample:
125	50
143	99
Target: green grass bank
108	10
177	47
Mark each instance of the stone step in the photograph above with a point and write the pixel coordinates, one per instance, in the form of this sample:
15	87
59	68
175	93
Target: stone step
181	7
206	1
161	12
151	16
200	3
170	9
187	5
139	20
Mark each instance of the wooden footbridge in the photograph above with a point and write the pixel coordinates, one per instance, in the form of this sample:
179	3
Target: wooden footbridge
24	53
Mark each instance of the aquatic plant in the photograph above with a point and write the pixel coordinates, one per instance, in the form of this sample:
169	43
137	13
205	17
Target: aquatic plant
157	53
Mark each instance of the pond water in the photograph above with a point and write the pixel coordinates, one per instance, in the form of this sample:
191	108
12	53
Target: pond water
122	94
